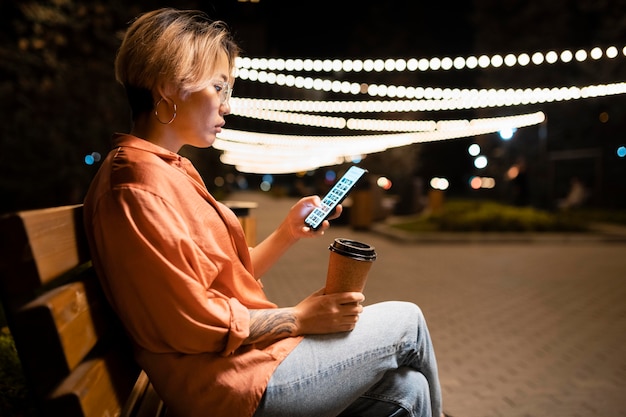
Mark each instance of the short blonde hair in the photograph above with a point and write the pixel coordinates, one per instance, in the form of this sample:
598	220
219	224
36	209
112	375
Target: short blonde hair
176	46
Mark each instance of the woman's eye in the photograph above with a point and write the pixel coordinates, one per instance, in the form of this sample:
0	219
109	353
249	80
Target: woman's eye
218	88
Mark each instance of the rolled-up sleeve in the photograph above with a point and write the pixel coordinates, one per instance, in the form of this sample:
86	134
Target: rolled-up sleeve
239	326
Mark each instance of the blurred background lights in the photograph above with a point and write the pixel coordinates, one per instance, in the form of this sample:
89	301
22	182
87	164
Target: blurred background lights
523	59
552	57
603	117
266	183
384	183
474	149
265	186
596	53
487	182
320	75
621	151
416	98
507	133
512	172
480	162
482	182
294	153
92	158
425	64
439	183
242	182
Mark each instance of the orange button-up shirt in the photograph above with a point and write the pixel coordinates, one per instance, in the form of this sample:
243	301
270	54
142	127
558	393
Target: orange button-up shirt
175	266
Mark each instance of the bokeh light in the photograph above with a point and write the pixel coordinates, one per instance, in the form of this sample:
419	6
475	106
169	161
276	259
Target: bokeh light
384	183
92	158
512	172
475	183
506	134
439	183
480	162
482	182
474	149
265	186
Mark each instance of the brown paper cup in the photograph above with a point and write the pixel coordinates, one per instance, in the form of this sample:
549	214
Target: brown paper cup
348	265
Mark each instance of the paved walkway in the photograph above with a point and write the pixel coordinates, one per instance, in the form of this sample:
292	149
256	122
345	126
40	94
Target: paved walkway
529	328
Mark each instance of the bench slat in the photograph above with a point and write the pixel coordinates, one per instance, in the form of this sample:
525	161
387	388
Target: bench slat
58	329
78	315
98	387
76	357
57	240
41	245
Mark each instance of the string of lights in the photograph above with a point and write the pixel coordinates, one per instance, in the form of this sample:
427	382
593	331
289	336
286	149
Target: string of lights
296	153
410	92
428	64
290	111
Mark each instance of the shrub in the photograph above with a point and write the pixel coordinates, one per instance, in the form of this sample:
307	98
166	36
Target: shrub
14	398
478	216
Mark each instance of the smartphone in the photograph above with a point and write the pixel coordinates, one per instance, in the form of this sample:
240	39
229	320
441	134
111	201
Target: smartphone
335	196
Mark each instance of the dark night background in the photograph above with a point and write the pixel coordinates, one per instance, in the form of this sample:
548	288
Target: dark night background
59	100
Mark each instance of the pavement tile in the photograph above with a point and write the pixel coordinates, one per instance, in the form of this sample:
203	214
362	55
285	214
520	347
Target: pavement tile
522	327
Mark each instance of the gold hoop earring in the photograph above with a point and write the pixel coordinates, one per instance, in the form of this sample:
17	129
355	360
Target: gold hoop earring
156	112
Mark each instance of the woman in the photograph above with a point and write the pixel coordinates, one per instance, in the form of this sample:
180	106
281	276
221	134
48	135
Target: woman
175	266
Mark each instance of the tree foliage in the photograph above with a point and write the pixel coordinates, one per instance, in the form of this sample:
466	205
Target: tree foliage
59	97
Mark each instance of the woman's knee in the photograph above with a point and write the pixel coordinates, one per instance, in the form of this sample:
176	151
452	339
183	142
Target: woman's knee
398	311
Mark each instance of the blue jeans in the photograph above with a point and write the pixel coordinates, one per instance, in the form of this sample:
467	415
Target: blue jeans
385	367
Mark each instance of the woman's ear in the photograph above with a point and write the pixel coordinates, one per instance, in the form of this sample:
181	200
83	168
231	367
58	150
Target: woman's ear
164	91
163	97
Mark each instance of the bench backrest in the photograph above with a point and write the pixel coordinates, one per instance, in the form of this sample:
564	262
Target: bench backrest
75	356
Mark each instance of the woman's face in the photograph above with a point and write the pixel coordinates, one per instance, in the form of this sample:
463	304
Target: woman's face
200	116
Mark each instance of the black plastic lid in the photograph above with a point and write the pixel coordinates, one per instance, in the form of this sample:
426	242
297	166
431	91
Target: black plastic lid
353	249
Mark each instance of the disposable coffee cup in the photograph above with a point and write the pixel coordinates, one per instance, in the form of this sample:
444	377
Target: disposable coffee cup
348	265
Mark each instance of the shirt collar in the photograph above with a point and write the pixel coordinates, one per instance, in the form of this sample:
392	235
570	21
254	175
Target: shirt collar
124	139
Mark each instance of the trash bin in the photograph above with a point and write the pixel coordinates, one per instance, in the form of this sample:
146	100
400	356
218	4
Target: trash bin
247	220
362	209
435	201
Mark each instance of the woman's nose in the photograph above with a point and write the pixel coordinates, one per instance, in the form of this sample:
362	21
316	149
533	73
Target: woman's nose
225	108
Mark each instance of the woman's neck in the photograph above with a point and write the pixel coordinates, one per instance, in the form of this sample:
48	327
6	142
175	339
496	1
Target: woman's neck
160	134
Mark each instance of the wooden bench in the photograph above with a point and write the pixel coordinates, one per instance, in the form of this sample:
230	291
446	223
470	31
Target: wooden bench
75	355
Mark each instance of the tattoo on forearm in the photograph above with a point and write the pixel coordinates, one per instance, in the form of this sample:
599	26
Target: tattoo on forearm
270	325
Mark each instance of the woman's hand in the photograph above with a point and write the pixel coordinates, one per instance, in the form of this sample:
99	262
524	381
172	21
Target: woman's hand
316	314
322	313
319	313
297	214
292	229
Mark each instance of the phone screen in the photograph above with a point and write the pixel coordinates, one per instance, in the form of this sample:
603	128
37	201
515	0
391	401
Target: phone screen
334	197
